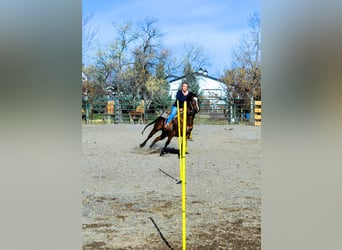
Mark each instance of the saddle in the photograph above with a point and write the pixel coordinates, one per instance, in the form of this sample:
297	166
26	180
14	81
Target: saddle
167	113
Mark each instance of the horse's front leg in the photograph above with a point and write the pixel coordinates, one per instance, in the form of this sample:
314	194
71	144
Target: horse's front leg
162	152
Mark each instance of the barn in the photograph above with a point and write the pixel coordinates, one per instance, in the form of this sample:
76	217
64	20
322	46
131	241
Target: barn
214	93
211	88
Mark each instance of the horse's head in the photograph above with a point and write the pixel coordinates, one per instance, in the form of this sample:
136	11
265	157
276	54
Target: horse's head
194	106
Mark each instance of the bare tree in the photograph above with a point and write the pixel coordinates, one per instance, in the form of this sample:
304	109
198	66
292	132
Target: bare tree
88	36
146	54
120	58
195	56
119	49
244	79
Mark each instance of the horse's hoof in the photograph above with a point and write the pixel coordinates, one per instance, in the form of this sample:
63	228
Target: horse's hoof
141	145
162	153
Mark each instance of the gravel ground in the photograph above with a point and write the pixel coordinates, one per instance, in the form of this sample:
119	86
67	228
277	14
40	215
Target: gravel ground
130	199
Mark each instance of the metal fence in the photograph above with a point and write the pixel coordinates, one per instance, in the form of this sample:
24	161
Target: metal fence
212	111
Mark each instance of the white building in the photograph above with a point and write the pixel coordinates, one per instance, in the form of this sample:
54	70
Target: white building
209	86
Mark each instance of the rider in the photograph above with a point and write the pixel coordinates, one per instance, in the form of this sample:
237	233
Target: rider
182	96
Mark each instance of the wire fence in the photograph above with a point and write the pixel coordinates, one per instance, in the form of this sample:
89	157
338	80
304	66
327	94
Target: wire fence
212	111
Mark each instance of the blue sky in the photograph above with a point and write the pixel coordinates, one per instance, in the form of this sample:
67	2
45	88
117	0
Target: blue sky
214	25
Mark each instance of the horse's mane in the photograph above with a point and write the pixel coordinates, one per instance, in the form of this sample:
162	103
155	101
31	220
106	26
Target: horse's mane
191	95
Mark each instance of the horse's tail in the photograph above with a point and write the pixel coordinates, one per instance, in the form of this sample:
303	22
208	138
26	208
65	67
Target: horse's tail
149	124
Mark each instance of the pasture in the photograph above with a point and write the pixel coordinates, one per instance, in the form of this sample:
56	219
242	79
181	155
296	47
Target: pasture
130	199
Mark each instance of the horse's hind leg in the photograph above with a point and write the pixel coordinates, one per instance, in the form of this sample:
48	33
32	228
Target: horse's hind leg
148	137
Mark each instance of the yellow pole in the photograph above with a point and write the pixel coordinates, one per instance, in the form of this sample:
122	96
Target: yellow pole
179	143
184	177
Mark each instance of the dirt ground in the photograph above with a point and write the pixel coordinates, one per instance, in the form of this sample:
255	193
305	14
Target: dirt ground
131	199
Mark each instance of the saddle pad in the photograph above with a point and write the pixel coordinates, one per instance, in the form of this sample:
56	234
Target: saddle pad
165	114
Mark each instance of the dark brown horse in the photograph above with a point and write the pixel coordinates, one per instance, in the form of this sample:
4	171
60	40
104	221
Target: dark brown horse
192	109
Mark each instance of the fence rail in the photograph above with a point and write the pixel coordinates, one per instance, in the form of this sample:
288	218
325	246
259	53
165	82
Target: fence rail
212	111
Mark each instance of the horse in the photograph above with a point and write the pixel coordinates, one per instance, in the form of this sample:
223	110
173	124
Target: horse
192	109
